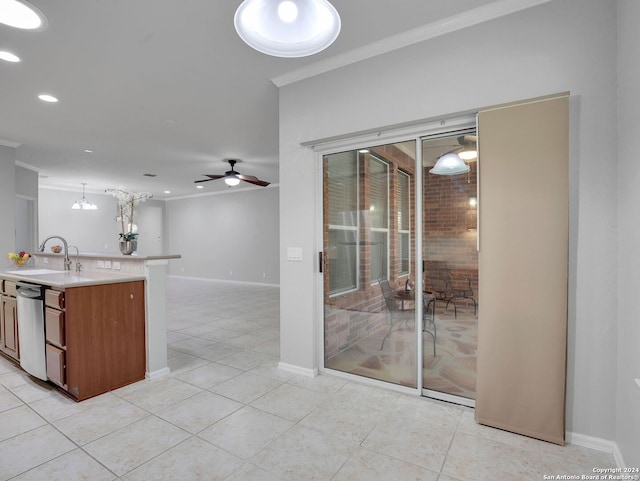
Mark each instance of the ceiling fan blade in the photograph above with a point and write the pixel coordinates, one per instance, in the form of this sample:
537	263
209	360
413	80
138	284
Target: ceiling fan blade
211	177
252	180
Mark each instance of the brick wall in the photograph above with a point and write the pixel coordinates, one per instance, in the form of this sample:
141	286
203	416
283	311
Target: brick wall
449	242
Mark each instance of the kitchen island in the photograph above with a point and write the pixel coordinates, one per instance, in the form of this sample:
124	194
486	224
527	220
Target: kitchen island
116	307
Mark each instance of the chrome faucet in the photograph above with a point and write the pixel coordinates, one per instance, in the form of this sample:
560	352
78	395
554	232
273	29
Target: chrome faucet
67	261
78	265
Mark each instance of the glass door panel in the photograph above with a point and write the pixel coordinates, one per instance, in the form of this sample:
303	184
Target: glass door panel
449	240
369	252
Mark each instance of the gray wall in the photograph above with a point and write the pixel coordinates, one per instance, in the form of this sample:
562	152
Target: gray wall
91	230
7	199
628	393
558	46
232	235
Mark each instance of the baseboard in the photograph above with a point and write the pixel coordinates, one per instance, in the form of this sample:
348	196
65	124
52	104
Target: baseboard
165	371
248	283
298	370
598	444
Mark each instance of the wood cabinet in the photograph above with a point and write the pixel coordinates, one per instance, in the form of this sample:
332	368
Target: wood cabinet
95	337
9	343
54	334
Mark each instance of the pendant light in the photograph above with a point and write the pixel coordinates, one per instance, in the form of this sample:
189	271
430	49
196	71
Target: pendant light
22	15
450	164
287	28
83	203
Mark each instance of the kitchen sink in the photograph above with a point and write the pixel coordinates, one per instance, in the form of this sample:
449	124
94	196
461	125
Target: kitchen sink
35	272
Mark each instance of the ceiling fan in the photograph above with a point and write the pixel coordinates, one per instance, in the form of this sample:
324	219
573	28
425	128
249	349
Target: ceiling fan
232	177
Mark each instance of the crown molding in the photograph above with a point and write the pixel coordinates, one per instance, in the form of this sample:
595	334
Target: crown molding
475	16
9	143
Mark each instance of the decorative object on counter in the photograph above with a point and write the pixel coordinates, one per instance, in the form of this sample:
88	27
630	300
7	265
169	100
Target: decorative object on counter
56	249
126	208
20	259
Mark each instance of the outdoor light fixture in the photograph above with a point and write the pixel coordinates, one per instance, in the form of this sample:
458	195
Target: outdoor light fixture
450	164
22	15
287	28
83	204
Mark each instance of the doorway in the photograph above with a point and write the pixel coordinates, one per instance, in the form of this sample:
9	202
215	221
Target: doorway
392	313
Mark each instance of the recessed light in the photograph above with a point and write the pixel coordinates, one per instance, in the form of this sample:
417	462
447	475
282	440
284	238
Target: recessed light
47	98
199	187
8	56
88	151
167	191
21	14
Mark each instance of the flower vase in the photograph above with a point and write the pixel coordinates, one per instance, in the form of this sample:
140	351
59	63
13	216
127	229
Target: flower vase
128	247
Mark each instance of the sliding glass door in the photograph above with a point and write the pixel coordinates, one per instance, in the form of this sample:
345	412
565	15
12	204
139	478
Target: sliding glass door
450	258
369	253
389	314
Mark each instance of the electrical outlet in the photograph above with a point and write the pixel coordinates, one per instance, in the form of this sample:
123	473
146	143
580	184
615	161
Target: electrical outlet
115	266
45	260
107	264
100	264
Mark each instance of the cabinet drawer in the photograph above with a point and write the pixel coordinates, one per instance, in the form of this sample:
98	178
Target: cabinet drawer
54	326
55	365
9	288
54	299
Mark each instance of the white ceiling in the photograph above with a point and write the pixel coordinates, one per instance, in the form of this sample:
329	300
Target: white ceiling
163	87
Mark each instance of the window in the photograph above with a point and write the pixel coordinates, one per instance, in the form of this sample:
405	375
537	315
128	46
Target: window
404	223
379	217
343	253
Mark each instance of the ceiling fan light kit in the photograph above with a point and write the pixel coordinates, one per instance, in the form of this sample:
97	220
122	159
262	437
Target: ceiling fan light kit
287	28
233	177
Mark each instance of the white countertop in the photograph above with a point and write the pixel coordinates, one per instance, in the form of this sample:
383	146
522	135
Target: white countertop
66	279
117	256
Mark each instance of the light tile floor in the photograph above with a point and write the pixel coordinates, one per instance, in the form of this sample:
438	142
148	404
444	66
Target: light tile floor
227	413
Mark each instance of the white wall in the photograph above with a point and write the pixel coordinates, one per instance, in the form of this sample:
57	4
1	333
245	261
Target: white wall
558	46
628	393
231	235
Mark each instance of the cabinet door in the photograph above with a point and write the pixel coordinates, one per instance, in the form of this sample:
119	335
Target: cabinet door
9	328
55	365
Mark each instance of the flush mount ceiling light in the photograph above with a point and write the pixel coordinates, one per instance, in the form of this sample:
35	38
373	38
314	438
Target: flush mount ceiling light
47	98
287	28
8	56
22	15
83	204
450	164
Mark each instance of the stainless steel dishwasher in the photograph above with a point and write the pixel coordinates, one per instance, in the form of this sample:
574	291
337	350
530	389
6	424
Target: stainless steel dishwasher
31	329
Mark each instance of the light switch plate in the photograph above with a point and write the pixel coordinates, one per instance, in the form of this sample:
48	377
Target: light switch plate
294	254
115	266
107	264
100	264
